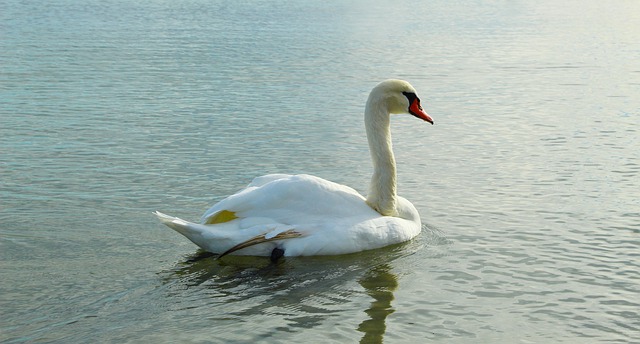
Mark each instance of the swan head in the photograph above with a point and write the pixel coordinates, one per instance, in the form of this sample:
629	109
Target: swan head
398	97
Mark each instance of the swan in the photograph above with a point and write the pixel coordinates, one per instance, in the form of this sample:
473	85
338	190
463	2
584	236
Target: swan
302	215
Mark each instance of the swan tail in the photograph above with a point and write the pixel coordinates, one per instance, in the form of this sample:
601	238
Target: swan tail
179	225
200	235
262	238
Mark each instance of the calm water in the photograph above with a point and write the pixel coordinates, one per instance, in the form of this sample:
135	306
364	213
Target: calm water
528	185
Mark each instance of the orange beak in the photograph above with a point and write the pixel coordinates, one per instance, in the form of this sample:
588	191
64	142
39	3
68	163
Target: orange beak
416	110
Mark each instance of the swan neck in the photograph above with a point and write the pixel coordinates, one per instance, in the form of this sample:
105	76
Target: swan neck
382	190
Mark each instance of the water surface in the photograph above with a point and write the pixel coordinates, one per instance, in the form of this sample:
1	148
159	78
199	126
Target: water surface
527	185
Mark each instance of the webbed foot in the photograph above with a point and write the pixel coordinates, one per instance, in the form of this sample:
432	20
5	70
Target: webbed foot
276	254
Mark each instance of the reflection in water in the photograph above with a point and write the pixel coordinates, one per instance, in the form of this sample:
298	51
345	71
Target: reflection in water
380	284
292	294
204	268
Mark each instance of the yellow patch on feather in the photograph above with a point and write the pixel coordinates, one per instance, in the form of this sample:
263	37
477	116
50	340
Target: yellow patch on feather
221	217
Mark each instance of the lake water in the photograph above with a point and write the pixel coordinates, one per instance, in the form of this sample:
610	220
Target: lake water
528	185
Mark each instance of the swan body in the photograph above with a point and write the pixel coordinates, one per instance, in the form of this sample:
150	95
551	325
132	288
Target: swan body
303	215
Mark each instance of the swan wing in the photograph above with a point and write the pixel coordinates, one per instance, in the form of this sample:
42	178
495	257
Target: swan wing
289	199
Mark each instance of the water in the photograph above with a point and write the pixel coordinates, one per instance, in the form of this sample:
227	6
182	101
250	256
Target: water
527	184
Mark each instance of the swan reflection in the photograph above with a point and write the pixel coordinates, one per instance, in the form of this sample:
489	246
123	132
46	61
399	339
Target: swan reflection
253	298
380	283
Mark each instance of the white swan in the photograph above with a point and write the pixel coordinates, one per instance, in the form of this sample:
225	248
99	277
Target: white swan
303	215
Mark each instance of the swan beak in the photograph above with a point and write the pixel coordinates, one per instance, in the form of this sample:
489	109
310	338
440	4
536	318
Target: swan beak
416	110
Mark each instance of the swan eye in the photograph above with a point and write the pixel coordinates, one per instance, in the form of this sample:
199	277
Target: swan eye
413	98
410	95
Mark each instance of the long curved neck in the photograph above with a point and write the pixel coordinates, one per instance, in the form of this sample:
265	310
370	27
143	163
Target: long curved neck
382	190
